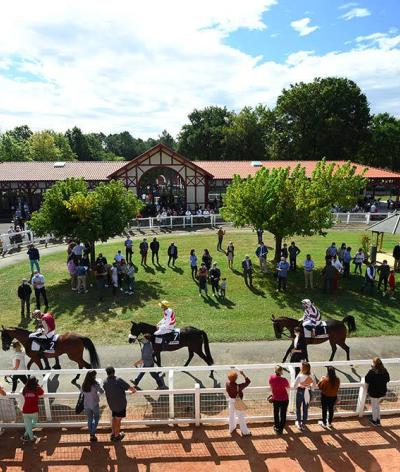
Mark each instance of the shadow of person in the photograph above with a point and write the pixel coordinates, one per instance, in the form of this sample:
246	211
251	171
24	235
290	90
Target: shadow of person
299	452
178	270
149	269
211	302
97	458
160	268
226	302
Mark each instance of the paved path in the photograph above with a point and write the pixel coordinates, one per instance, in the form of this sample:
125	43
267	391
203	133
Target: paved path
354	445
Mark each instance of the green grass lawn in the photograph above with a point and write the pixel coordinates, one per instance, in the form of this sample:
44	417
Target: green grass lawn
243	316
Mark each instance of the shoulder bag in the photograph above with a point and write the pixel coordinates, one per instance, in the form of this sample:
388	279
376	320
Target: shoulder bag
79	404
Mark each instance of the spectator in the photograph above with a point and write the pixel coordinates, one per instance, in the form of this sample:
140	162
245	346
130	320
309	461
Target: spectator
377	380
24	294
193	263
329	386
308	272
215	275
280	399
115	389
147	360
329	274
261	253
172	254
18	363
100	272
359	261
81	273
202	275
34	257
294	251
144	249
332	250
31	393
38	283
260	233
247	267
282	273
130	278
2	394
71	266
77	251
340	253
383	271
154	248
220	234
234	391
284	251
392	284
369	279
396	256
303	384
92	390
101	259
128	249
114	278
339	269
118	257
346	262
222	288
230	254
207	259
298	348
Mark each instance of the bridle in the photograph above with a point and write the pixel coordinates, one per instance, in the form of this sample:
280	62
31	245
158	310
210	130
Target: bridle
282	332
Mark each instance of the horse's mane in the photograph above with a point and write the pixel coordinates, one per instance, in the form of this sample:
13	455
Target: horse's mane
17	328
141	323
285	318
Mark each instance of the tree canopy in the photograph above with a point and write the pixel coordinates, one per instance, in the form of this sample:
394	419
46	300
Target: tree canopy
286	203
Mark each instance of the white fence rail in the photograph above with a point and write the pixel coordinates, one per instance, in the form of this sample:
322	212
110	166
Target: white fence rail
359	218
195	405
18	240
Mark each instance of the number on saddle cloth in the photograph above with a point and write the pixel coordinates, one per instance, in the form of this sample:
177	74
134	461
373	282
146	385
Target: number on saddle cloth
170	339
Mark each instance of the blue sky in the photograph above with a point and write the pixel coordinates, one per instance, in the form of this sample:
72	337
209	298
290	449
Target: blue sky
144	66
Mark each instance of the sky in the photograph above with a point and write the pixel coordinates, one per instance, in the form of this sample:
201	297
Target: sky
143	66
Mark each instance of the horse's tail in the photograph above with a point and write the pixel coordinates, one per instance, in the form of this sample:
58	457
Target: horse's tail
351	323
207	347
94	358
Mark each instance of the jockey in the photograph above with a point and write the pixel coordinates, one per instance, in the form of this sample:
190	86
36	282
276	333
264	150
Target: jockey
167	322
311	317
48	328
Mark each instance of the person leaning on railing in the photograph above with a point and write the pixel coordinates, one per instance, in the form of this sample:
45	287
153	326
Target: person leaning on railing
235	393
280	399
329	387
377	380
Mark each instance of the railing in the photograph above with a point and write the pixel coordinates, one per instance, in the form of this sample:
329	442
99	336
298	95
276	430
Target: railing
11	242
172	222
359	218
195	405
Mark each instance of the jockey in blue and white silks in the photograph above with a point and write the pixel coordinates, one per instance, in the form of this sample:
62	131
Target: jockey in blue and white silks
311	317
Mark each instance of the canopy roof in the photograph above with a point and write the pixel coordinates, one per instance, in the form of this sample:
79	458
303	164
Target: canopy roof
391	224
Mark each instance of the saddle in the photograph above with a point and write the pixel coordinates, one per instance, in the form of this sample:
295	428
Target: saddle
321	331
169	339
46	345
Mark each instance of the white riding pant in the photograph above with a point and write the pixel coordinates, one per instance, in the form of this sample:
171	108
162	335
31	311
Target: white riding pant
235	417
163	330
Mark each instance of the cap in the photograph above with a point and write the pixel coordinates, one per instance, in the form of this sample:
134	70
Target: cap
164	303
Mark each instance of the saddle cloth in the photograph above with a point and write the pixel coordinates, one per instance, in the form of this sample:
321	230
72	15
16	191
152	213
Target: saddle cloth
169	339
321	331
51	344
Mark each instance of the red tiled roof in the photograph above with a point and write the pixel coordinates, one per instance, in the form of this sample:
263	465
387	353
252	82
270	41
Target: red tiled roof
226	169
45	171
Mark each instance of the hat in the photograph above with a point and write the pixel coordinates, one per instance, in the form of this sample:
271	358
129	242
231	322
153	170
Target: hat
306	302
164	303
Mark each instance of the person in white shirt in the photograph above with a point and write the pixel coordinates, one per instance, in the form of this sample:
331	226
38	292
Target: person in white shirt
38	284
18	363
77	251
303	383
118	257
199	212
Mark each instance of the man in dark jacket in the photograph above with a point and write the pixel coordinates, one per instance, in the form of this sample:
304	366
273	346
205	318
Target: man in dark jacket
328	273
34	257
383	271
294	251
215	275
144	249
172	254
396	255
24	294
247	267
154	247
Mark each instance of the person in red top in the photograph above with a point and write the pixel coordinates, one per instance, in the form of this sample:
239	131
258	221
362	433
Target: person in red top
31	393
280	399
392	284
48	329
234	391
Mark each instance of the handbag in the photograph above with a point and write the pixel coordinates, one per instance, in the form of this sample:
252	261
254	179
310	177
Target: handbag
79	404
240	405
269	398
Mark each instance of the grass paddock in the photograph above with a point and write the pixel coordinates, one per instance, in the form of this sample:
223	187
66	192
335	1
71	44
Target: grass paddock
243	316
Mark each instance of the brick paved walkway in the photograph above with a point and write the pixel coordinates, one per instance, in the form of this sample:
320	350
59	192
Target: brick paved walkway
352	446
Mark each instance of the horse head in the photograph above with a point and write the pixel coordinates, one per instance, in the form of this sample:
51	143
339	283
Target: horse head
278	328
135	331
6	339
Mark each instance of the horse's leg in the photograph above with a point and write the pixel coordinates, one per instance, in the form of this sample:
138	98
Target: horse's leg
191	354
334	348
200	353
57	364
286	355
77	356
346	348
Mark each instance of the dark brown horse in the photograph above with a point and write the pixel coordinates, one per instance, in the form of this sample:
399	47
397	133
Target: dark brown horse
190	337
336	330
71	344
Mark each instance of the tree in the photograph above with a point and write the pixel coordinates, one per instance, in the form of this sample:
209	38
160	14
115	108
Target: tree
324	118
42	147
13	149
167	139
22	133
383	146
203	138
286	203
70	210
123	144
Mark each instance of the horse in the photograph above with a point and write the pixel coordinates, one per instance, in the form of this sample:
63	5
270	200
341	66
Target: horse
336	330
71	344
190	337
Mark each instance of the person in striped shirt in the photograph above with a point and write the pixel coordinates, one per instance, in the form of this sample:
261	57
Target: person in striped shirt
311	317
168	321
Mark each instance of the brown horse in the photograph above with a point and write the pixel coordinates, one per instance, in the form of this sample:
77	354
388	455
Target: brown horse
71	344
336	330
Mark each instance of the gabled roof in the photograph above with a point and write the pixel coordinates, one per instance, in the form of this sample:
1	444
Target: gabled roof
154	150
47	171
391	224
226	169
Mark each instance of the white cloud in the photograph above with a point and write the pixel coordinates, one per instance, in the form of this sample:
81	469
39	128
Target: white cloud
303	27
115	66
381	40
347	5
356	13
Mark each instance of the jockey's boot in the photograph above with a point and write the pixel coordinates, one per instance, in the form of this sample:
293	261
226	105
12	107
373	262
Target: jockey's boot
46	362
57	364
